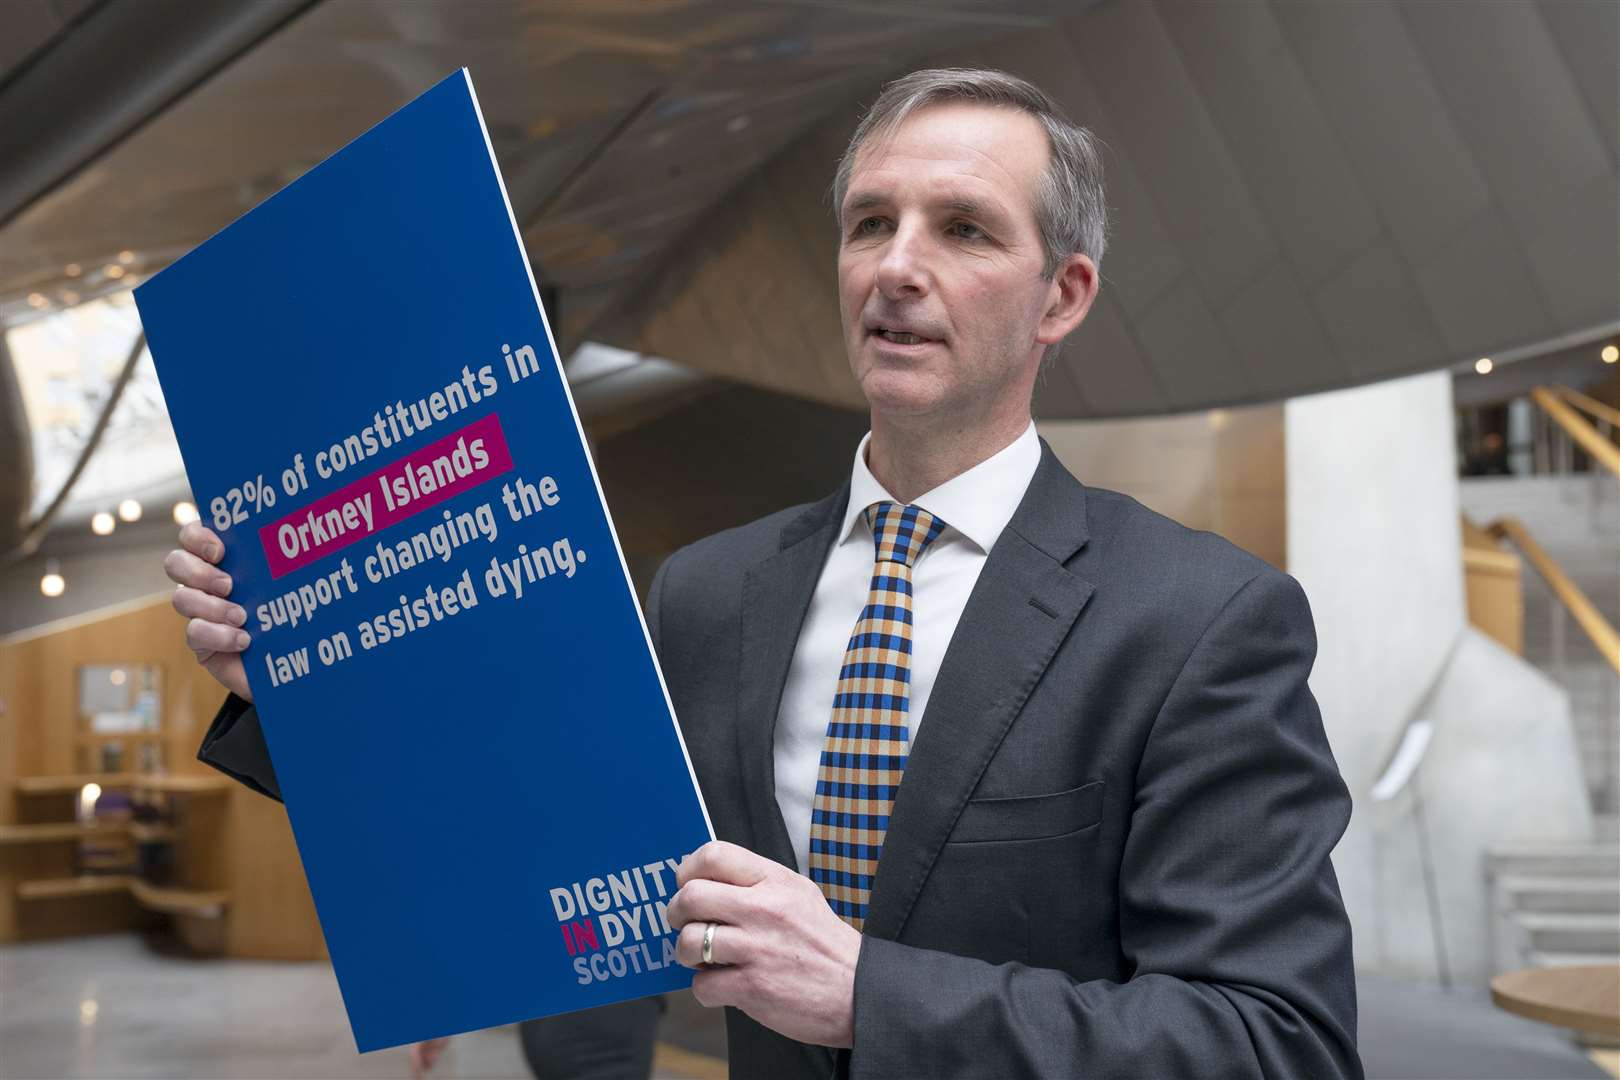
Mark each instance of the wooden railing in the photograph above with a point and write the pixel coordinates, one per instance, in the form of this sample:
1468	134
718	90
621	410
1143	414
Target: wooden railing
1576	602
1591	406
1554	401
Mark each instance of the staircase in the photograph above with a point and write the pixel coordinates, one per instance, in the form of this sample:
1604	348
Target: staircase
1560	905
1555	906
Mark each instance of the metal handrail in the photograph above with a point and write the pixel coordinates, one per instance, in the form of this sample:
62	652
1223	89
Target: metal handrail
1577	427
1569	594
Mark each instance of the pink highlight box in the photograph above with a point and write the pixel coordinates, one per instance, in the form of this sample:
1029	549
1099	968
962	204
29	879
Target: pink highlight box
455	463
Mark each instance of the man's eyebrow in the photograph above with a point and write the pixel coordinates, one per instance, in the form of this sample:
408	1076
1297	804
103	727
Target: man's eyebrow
864	200
956	204
969	207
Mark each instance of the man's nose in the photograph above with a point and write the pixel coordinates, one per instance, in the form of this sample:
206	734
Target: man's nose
903	270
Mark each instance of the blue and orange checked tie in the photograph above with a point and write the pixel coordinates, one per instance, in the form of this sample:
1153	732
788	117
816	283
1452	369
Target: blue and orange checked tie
869	738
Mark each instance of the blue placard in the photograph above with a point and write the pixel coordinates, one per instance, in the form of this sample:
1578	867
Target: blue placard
477	752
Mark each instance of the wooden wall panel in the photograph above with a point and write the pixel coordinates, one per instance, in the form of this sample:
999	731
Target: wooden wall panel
9	721
225	840
1493	578
272	912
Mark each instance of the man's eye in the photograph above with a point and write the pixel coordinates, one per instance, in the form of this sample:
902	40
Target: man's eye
868	226
967	230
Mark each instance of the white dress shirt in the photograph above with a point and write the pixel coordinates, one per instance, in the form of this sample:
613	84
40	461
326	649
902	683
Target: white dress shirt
975	506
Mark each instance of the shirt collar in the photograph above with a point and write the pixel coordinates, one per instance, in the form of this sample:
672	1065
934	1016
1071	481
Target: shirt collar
977	503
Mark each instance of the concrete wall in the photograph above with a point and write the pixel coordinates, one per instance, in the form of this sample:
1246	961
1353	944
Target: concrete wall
1374	537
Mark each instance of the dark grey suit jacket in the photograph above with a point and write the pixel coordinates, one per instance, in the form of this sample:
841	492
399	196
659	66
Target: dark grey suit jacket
1109	855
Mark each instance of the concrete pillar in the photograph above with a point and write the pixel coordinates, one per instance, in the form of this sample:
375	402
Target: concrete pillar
1374	537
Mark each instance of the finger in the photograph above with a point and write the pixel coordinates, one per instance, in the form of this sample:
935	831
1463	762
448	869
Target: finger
689	944
728	947
708	901
432	1050
721	861
201	541
184	568
718	986
196	604
204	635
228	669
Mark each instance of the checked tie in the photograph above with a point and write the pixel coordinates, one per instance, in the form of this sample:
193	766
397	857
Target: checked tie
868	738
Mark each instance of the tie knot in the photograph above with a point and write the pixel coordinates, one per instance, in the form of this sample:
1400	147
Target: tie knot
902	532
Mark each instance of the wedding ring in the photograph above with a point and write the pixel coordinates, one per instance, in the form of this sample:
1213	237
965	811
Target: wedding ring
708	944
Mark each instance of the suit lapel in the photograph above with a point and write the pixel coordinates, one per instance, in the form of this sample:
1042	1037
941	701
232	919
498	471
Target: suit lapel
776	597
1019	612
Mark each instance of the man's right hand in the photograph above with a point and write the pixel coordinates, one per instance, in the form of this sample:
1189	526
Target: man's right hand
214	631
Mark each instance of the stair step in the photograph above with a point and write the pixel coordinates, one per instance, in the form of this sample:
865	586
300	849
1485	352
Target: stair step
1570	959
1564	861
1577	895
1552	932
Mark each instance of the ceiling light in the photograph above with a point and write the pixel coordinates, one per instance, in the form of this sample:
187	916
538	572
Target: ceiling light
102	523
126	256
37	300
113	270
72	269
737	124
1611	354
69	297
129	510
184	513
116	676
52	583
1483	365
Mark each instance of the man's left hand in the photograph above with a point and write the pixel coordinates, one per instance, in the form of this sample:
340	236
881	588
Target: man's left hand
789	961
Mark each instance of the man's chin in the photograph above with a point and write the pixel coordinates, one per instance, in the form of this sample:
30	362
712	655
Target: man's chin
896	393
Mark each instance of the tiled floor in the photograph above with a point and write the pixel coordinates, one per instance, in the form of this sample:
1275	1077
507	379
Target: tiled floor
121	1006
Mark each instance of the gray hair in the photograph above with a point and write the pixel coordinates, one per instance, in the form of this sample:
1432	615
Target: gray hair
1070	207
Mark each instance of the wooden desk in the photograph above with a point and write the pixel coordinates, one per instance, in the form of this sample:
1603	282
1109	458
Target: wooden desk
1584	998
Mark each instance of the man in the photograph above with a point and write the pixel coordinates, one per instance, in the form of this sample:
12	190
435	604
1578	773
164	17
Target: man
1061	804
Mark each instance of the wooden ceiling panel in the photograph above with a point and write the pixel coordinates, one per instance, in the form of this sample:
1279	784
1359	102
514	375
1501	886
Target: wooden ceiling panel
1106	365
1279	139
30	25
1182	159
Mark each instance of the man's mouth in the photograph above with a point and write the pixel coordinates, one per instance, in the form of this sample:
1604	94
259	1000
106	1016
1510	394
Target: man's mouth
899	337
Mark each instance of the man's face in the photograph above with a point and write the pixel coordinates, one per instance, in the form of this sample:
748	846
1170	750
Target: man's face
939	267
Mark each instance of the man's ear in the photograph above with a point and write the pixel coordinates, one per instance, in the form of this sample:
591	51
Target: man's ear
1069	297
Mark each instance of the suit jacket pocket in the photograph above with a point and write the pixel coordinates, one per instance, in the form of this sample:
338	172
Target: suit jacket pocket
1029	817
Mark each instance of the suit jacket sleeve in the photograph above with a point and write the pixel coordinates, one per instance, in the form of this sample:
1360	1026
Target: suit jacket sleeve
652	608
235	746
1229	908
